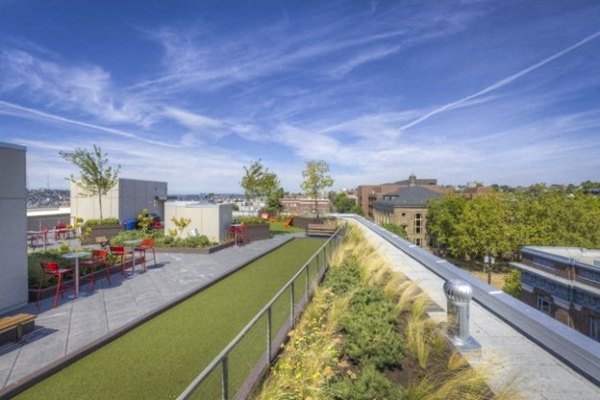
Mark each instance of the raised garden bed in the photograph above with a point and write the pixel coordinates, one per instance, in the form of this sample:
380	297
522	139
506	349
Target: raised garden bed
258	232
107	231
194	250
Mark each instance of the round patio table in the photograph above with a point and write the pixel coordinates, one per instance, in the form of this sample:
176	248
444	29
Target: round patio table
76	256
132	243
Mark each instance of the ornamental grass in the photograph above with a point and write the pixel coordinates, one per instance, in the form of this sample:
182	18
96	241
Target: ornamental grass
367	336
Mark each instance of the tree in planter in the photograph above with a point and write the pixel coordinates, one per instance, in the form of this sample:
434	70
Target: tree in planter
259	182
144	220
316	180
97	177
180	225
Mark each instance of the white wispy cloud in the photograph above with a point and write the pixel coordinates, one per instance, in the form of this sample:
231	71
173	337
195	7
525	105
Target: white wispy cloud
501	83
30	113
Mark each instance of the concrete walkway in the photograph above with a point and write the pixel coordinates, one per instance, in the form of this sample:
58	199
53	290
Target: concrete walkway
509	358
75	323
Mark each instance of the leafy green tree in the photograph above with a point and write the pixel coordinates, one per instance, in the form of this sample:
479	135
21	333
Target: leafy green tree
316	180
342	203
258	181
399	230
97	177
512	283
356	209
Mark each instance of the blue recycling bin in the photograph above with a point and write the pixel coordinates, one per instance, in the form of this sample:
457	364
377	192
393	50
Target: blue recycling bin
130	224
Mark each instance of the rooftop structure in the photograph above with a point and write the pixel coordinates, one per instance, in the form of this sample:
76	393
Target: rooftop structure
368	194
124	201
563	282
13	229
407	207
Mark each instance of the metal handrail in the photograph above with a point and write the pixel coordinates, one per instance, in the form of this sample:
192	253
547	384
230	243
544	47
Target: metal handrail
582	353
222	357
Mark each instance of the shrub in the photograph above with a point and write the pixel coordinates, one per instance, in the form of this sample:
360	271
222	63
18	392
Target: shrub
104	221
369	325
370	385
194	241
342	278
33	266
252	220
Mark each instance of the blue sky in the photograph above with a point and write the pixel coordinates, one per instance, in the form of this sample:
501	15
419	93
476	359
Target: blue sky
189	92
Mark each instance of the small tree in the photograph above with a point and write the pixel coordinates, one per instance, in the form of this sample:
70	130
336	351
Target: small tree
316	180
260	182
97	177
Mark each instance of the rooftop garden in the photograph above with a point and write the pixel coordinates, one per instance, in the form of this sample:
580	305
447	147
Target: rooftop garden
159	358
366	336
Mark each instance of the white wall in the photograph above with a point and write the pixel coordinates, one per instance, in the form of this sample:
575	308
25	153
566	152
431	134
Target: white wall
13	229
212	220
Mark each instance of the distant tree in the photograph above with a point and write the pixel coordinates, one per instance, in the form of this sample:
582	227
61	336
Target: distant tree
258	181
342	203
512	283
316	180
399	230
97	177
356	209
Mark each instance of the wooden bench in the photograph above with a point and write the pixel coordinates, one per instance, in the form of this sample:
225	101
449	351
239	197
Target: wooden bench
13	327
320	229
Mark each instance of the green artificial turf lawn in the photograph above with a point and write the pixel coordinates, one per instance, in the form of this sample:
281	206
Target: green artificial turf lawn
161	357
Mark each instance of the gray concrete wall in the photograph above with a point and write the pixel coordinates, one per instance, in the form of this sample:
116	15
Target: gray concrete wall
124	201
212	220
36	221
135	195
13	229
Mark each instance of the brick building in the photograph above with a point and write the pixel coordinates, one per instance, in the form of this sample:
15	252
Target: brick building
563	282
305	205
407	207
368	194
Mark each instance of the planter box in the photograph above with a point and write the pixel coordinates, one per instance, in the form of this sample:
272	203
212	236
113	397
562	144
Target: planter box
194	250
258	232
302	222
108	231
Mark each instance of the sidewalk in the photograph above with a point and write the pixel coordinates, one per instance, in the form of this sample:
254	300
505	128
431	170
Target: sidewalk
75	323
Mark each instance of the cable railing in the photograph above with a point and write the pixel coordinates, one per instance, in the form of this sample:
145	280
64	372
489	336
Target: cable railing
234	372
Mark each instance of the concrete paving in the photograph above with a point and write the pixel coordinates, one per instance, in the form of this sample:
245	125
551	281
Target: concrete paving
77	322
508	358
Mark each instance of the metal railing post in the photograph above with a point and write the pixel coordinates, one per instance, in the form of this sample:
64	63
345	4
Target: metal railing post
293	305
225	378
269	335
307	281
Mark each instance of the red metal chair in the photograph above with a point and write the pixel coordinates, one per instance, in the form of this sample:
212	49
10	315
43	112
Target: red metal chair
45	231
120	252
98	259
60	231
147	244
52	269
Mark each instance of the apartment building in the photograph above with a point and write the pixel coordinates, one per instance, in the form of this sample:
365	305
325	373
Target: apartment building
563	282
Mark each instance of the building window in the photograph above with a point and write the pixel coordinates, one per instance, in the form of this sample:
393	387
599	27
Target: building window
418	242
595	328
417	224
544	305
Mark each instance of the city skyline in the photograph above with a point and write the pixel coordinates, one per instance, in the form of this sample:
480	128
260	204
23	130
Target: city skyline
502	93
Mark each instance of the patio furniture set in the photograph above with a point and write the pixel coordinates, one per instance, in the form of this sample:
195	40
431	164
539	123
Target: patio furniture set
61	231
94	262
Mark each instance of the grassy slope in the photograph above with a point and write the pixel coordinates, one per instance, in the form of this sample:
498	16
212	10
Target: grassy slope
158	359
